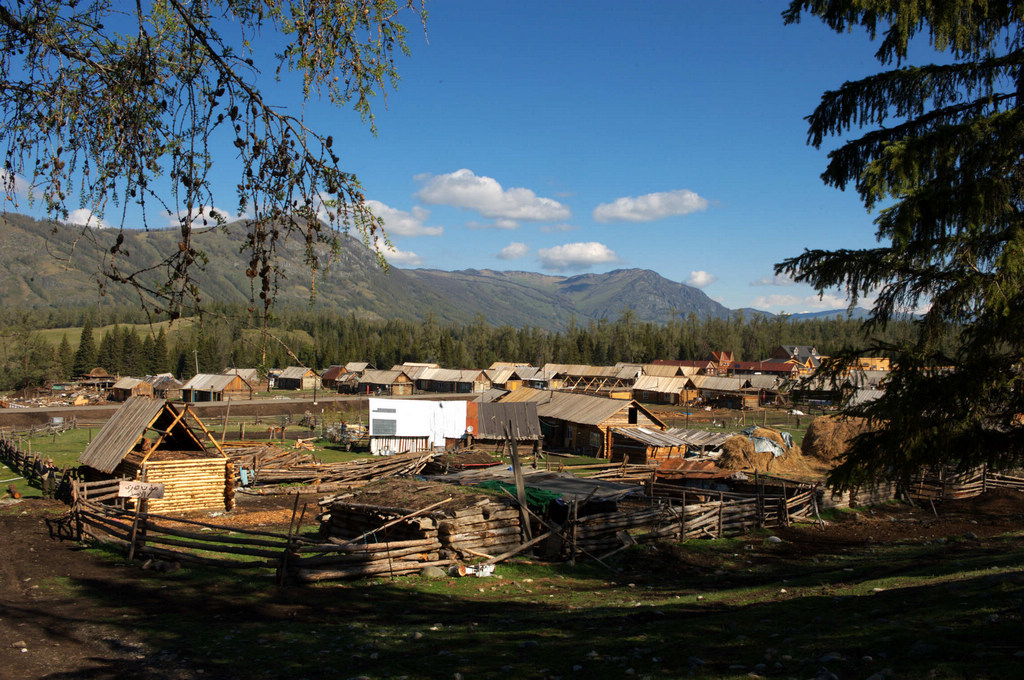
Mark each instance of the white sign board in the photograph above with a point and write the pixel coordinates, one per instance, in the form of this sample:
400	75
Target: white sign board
133	489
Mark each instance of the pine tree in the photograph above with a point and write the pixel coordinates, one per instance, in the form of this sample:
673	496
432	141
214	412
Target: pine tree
65	358
940	154
85	355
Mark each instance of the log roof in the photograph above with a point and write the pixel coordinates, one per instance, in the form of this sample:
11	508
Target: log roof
130	423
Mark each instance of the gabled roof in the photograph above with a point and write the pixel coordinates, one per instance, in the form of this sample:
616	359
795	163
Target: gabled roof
332	372
163	381
414	371
718	384
662	370
575	408
357	366
295	373
665	385
129	424
375	377
126	384
763	382
216	382
249	375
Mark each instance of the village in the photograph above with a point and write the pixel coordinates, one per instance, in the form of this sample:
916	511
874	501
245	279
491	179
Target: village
419	474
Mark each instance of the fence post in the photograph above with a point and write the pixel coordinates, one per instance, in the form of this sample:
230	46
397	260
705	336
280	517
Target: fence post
721	510
682	519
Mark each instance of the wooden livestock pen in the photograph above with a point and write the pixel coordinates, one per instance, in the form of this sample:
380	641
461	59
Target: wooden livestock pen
402	525
150	440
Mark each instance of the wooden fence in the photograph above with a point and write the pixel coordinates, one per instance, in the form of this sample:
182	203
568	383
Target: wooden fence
30	465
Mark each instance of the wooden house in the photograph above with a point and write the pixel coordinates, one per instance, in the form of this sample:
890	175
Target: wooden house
700	367
129	387
152	440
215	387
298	378
720	392
581	422
395	383
453	380
642	445
654	389
165	386
330	378
97	378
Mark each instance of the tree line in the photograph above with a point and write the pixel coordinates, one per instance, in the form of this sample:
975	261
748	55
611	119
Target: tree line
318	340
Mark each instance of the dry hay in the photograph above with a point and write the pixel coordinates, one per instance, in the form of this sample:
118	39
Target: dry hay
738	454
828	437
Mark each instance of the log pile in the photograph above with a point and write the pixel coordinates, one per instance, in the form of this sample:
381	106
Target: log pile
327	477
377	538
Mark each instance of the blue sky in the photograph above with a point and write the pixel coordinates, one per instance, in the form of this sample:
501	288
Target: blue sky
571	137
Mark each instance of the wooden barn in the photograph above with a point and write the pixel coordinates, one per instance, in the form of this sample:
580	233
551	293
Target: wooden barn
129	387
642	445
298	378
149	440
395	383
581	422
215	387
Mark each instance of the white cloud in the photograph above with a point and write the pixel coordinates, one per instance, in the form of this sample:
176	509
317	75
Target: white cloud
463	189
198	218
12	184
700	279
401	257
796	304
496	224
776	280
650	207
575	256
553	228
84	217
513	251
402	223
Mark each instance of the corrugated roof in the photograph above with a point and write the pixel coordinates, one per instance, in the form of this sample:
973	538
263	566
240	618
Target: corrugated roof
650	437
332	372
763	382
662	370
700	438
357	366
295	373
210	381
126	383
375	377
574	408
864	395
414	371
129	423
718	384
249	375
667	385
492	418
500	376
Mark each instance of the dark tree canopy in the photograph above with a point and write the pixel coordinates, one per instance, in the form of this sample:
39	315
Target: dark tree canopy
108	106
940	153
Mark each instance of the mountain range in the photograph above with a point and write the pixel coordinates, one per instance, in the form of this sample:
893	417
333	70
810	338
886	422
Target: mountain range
45	265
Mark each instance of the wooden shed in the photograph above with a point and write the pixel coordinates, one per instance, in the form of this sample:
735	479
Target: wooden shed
129	387
486	424
581	422
215	387
150	440
642	445
298	378
395	383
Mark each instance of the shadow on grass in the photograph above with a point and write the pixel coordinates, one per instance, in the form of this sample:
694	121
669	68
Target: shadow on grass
953	617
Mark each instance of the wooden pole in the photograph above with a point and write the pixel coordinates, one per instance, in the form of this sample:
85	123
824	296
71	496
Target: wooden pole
517	471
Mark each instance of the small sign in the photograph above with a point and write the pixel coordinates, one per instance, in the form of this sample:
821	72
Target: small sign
133	489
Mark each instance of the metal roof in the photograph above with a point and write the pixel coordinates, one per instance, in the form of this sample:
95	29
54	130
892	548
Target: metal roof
701	439
763	382
295	373
332	372
864	395
650	437
375	377
357	366
211	382
126	383
129	423
249	375
574	408
493	418
718	384
662	370
668	385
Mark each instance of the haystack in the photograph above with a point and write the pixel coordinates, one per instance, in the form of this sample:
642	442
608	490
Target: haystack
828	438
738	454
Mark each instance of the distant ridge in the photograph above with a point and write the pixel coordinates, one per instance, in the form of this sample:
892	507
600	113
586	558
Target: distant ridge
47	267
